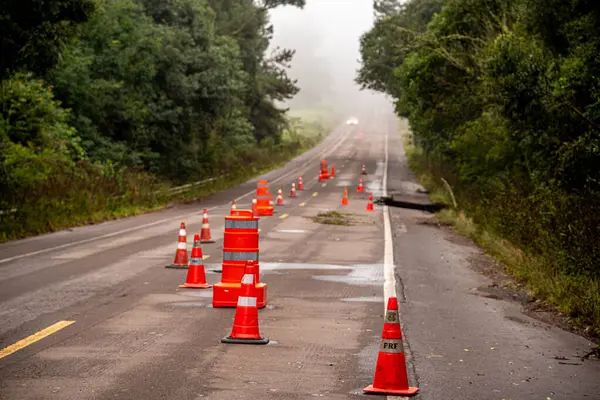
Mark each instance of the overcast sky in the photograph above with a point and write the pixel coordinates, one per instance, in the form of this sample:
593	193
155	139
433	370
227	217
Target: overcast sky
325	35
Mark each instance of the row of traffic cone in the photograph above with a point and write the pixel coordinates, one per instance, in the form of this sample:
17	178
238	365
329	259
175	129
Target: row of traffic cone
390	374
345	200
181	256
245	325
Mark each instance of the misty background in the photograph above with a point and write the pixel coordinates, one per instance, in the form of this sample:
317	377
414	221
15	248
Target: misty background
326	37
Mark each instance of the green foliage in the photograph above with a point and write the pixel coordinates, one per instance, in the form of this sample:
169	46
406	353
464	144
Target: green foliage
503	99
34	32
141	94
35	138
386	8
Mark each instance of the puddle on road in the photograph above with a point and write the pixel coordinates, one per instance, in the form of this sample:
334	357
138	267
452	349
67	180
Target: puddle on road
271	267
361	274
274	266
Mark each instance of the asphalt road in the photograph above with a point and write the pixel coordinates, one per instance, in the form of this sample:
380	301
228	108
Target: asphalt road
136	335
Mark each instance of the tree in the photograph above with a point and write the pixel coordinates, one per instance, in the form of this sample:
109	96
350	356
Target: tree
386	8
33	33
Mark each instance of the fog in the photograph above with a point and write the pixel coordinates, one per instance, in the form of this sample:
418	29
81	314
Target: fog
326	37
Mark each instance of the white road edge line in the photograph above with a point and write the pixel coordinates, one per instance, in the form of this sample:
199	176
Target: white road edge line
389	284
323	153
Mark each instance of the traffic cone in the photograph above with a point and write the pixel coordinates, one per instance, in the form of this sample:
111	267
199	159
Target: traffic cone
254	207
293	191
181	256
196	277
245	324
364	169
360	188
233	207
370	203
345	197
332	171
279	197
390	372
300	184
205	236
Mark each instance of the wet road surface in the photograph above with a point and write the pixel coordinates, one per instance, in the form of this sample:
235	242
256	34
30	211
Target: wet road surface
136	335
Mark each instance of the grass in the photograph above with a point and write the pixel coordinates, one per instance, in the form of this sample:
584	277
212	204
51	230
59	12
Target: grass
88	202
577	297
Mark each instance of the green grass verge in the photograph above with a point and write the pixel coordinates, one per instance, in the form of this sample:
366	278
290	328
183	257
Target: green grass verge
92	202
577	297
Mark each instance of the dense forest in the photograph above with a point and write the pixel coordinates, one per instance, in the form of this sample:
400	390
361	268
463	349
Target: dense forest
503	100
104	101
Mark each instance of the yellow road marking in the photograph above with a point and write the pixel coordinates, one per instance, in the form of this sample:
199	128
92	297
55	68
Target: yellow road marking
315	194
204	257
34	338
302	204
283	216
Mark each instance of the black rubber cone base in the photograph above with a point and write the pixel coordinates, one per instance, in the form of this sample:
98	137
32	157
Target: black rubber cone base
177	266
229	339
207	241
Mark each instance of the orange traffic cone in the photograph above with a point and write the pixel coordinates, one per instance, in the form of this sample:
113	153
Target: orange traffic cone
245	324
181	256
360	188
390	372
293	191
205	236
332	171
196	278
370	203
233	207
300	184
364	169
254	207
279	198
345	197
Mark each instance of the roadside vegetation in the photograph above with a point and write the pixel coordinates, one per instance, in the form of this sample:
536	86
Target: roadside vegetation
107	105
503	103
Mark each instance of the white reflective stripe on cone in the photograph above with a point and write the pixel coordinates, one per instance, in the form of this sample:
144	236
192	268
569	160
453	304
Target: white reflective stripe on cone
205	226
205	216
182	232
240	255
247	279
181	245
246	301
